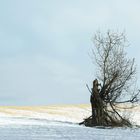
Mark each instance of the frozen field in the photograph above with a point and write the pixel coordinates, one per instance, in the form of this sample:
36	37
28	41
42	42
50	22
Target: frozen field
58	123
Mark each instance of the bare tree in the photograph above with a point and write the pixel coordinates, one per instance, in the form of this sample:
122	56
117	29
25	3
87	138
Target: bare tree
116	74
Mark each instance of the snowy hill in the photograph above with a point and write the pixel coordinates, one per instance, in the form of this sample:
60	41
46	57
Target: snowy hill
59	123
63	113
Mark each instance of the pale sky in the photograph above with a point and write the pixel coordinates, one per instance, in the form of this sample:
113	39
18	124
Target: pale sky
44	47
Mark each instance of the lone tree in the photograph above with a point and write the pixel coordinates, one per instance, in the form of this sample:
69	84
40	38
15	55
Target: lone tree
116	74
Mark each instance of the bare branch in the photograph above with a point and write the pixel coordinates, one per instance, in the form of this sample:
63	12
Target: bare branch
88	88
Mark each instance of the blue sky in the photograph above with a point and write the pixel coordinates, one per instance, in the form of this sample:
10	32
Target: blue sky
44	47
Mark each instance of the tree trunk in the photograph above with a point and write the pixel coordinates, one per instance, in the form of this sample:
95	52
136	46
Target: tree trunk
96	105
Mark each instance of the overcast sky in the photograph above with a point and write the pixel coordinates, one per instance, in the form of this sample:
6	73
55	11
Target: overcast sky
44	47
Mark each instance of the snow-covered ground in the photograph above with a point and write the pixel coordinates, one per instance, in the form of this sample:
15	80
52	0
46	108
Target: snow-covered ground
59	122
64	113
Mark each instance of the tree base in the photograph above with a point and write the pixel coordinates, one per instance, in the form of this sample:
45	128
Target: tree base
106	123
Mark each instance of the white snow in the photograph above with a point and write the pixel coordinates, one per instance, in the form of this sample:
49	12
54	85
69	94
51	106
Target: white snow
59	123
65	113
